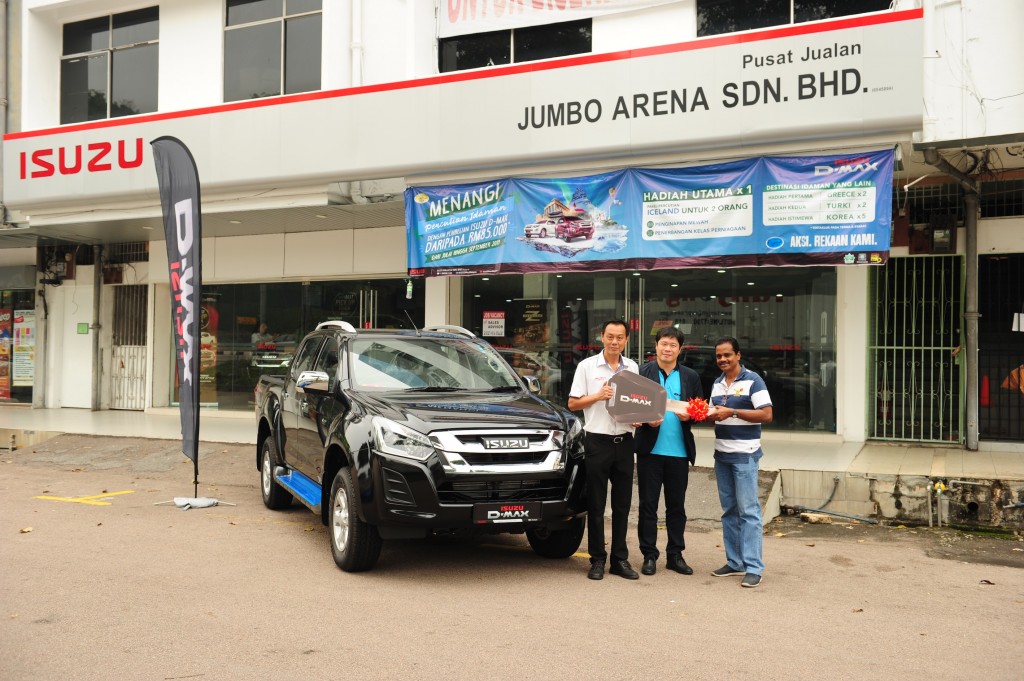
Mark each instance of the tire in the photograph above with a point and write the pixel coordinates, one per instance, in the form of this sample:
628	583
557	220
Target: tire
543	234
275	497
355	545
566	238
557	543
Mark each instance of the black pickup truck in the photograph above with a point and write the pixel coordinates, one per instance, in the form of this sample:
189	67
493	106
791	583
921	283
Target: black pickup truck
398	434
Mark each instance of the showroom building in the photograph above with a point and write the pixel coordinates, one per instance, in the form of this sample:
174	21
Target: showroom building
316	125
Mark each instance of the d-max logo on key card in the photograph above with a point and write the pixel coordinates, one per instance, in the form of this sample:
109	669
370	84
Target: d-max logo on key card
509	512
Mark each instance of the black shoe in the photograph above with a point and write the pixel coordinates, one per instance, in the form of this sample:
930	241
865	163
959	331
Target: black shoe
596	571
649	567
679	565
622	568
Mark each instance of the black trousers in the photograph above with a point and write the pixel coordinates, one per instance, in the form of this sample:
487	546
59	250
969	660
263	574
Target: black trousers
653	472
609	460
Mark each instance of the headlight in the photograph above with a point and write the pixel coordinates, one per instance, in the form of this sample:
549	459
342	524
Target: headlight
575	430
393	438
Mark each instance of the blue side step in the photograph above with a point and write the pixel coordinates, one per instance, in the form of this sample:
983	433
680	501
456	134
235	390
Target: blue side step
301	487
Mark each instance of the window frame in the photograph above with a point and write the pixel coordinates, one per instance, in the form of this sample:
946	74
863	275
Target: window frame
281	20
108	52
511	42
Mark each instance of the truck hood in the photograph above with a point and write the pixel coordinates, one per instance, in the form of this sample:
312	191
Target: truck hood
425	413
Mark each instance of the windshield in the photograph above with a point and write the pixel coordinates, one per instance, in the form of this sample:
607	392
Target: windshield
419	363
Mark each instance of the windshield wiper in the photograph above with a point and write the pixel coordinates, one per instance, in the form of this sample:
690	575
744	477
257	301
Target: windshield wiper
505	389
435	389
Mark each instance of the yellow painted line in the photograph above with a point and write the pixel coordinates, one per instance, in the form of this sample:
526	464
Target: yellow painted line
90	500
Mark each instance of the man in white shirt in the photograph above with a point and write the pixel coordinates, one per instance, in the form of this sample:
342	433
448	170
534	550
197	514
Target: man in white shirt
609	446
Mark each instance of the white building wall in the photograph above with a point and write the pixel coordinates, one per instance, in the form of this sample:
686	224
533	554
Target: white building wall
973	69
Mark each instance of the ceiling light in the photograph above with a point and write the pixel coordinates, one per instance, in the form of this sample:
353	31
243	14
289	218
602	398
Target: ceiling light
235	222
477	295
486	278
675	285
750	283
321	216
721	271
636	274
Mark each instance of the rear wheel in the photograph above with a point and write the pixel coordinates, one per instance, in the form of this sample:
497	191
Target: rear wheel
355	545
560	543
274	496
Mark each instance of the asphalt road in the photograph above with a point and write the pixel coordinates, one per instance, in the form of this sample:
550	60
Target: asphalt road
135	590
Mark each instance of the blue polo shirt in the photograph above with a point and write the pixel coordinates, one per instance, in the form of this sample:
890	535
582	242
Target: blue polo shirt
670	434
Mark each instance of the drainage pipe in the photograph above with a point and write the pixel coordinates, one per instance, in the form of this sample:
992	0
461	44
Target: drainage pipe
804	509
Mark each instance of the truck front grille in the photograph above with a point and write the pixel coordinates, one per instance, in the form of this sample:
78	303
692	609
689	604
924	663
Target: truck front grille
468	492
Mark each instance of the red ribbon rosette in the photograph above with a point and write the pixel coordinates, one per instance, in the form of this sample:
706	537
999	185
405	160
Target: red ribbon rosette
697	408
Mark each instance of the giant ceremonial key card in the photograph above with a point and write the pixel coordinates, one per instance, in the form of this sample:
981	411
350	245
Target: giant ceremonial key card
636	399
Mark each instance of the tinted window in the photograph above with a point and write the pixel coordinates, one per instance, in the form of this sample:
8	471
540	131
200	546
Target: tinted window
110	66
83	89
553	40
302	54
86	36
254	65
133	89
252	62
136	27
304	358
246	11
520	45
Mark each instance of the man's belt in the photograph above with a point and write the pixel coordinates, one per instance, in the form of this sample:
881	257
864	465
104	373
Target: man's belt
614	439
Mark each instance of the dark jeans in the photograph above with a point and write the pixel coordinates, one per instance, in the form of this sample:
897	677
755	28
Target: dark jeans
653	472
608	461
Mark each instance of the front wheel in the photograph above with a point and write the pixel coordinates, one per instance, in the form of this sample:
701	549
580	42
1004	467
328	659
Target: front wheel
561	543
355	545
543	234
275	497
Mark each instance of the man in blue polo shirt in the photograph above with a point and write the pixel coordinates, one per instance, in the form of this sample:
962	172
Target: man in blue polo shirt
740	404
665	450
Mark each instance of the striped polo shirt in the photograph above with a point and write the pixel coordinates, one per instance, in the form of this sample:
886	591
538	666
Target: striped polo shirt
736	440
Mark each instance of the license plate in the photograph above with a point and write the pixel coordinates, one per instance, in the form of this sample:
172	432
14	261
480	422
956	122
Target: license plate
506	443
514	512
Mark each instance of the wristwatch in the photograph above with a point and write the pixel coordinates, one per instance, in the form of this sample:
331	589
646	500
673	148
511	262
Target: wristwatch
734	413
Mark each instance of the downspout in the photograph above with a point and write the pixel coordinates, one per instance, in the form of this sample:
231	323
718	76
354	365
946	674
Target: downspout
356	79
97	357
931	156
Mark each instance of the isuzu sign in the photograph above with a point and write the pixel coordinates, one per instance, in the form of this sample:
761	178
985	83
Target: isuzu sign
846	79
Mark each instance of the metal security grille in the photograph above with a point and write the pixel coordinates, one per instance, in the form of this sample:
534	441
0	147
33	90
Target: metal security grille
915	379
1001	347
128	370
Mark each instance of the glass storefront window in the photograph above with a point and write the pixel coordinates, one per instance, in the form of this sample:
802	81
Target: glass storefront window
784	319
252	329
17	345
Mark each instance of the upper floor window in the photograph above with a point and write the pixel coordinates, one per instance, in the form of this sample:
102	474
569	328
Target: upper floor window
729	16
515	45
271	47
109	66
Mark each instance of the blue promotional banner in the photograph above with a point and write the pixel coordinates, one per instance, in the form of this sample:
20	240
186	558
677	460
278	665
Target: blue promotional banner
777	211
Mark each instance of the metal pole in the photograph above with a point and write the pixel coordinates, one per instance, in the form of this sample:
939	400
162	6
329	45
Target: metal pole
97	357
971	317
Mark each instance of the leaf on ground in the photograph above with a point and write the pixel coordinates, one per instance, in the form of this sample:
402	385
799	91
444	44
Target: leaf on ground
310	529
811	545
984	581
780	534
25	530
858	609
232	522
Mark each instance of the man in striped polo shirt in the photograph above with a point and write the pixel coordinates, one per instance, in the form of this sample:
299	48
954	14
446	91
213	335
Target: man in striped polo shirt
741	404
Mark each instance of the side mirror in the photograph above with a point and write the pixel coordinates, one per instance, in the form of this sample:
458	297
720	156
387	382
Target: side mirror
532	384
314	382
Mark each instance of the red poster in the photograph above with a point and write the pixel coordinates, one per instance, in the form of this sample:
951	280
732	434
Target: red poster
6	326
